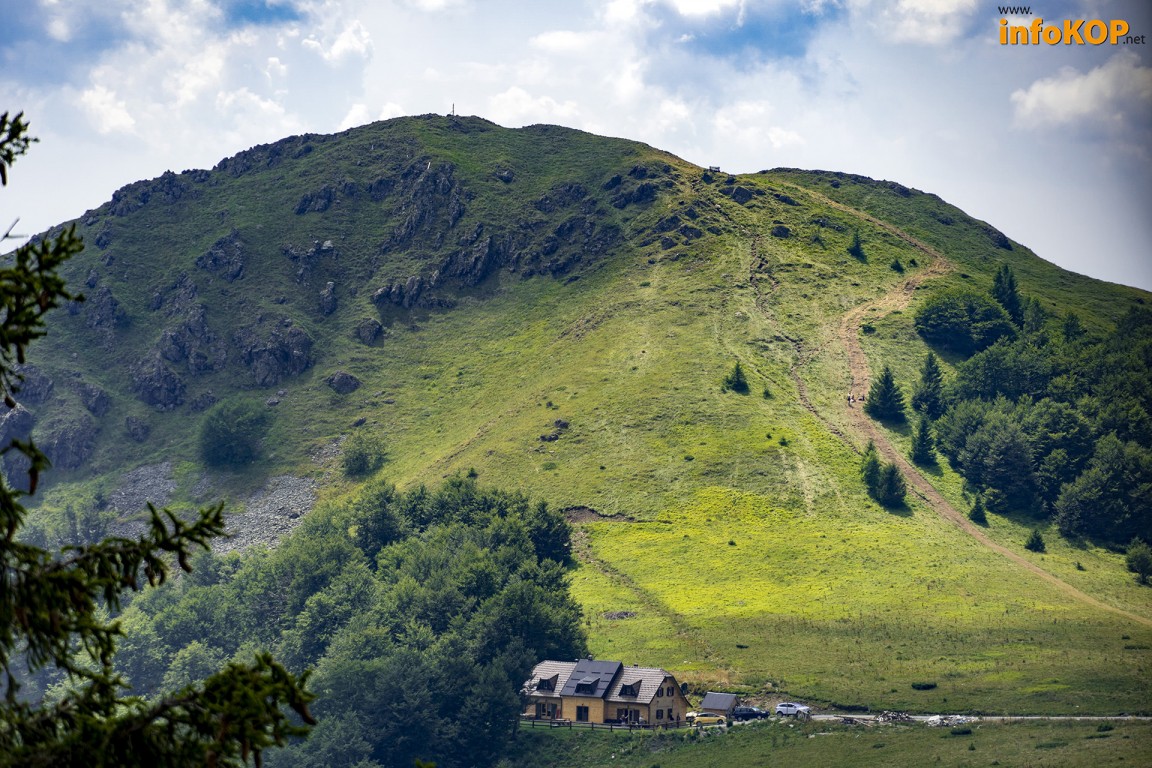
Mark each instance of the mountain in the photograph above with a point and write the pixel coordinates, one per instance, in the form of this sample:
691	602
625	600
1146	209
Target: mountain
555	312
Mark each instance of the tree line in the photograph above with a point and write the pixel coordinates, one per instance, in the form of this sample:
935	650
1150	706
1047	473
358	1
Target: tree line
1043	417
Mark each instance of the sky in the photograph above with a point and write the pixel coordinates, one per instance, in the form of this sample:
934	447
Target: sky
1051	144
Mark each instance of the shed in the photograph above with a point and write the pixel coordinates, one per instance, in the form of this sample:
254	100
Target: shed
719	703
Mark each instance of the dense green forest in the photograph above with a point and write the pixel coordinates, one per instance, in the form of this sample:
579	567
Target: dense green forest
1044	418
421	614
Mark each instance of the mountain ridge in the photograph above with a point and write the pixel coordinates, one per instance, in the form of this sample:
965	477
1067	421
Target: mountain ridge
555	312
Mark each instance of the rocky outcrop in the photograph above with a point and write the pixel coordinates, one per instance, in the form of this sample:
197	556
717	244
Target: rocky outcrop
274	350
168	188
94	399
35	387
101	310
177	297
998	238
316	202
156	384
137	429
71	443
431	203
306	259
561	196
369	331
342	382
15	424
192	343
328	299
225	258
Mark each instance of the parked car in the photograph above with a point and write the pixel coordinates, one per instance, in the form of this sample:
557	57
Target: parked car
748	713
709	718
786	708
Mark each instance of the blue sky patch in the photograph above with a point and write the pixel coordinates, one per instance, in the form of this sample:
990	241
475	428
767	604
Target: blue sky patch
29	54
243	13
762	34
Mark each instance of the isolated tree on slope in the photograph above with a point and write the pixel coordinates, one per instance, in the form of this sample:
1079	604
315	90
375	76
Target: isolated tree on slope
923	446
885	400
52	607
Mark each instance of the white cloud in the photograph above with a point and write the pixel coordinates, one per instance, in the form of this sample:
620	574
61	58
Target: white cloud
352	42
434	5
929	22
704	7
109	113
360	114
566	42
516	106
1106	96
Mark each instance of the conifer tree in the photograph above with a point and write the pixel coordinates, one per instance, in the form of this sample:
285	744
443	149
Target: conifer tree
885	400
1035	542
1005	292
928	398
856	250
870	469
923	446
736	380
977	513
54	606
891	489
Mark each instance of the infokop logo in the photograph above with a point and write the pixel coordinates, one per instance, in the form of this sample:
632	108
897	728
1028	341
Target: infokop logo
1079	32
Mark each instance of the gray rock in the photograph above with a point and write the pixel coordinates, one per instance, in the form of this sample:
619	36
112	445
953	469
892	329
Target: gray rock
101	309
69	444
36	386
328	298
155	383
343	382
136	428
95	399
225	258
272	354
369	331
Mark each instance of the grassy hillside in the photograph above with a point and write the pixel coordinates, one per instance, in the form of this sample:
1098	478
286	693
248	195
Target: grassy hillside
557	312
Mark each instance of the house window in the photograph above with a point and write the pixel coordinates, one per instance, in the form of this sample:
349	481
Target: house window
659	691
671	690
659	714
582	714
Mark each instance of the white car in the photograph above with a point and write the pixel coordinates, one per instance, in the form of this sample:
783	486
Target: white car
786	708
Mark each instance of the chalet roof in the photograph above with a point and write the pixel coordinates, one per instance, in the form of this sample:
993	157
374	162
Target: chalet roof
718	702
546	670
650	679
591	678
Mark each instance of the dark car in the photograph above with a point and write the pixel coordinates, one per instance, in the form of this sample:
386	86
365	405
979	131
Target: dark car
749	713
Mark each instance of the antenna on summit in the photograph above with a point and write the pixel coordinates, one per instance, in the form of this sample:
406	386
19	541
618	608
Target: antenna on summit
453	109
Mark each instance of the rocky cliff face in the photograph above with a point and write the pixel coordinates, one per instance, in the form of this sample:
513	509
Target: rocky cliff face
207	285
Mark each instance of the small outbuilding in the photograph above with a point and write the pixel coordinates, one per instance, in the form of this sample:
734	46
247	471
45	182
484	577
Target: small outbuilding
718	703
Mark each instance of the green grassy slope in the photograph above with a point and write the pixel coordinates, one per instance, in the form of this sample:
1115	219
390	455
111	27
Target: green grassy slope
733	527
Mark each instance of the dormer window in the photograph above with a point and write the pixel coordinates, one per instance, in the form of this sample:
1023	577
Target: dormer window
630	689
547	683
587	685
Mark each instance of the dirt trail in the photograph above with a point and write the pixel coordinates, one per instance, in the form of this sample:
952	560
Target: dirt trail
848	333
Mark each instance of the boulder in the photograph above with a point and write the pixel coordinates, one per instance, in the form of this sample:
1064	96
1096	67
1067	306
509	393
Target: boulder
69	444
36	386
274	353
95	399
225	258
328	299
369	330
155	383
137	429
343	382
